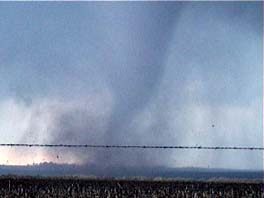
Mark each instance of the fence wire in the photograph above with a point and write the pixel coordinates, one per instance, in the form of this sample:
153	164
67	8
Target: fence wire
134	146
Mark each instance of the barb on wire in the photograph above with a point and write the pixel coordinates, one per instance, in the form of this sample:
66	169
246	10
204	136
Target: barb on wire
133	146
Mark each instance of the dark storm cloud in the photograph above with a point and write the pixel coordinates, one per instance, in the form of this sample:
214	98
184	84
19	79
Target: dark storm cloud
131	73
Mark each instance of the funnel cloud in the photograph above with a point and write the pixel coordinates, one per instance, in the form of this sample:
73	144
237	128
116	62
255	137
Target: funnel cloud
132	73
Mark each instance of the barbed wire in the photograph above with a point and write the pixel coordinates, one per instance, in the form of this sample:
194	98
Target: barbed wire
133	146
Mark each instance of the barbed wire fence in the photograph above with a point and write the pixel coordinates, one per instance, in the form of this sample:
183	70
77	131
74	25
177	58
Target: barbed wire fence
134	146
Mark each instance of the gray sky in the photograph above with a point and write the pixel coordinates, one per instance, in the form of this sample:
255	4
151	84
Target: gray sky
157	73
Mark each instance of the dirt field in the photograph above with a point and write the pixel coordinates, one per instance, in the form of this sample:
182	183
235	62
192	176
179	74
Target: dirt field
76	187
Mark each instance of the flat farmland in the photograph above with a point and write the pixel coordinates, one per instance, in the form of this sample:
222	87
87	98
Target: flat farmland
12	186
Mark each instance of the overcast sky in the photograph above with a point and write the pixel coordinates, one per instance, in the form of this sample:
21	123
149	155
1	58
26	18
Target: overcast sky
156	73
